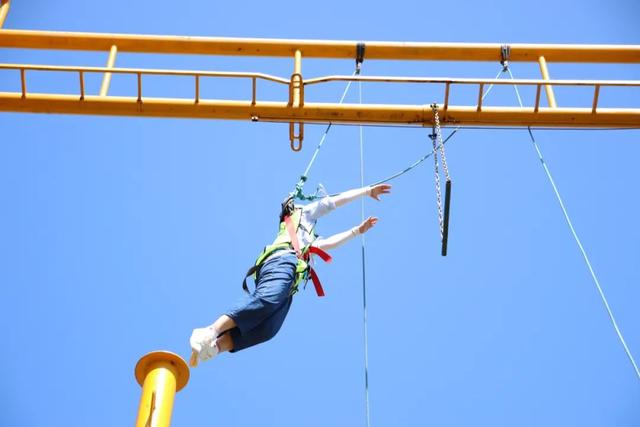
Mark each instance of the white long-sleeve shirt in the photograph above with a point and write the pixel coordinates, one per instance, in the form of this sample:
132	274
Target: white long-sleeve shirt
313	211
319	208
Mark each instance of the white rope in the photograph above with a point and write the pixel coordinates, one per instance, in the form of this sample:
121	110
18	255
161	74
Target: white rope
364	277
577	239
326	131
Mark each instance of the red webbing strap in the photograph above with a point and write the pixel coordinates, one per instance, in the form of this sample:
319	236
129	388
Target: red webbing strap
322	254
316	282
291	229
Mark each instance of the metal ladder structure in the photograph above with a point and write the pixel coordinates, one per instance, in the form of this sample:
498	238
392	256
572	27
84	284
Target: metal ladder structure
299	110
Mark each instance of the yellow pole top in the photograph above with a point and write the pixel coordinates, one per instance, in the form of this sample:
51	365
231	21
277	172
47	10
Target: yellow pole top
148	361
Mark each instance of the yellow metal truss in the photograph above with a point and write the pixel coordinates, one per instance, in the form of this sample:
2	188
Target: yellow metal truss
300	110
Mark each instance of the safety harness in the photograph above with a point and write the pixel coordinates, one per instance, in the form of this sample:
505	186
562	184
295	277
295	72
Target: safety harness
287	239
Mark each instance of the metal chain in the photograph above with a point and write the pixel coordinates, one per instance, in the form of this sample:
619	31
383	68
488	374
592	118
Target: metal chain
434	138
436	119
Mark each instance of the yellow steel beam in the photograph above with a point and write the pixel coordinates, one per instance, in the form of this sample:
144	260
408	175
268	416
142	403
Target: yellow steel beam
317	48
419	115
4	10
106	81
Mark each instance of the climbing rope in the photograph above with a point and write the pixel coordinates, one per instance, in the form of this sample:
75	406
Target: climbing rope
438	145
576	238
297	192
364	276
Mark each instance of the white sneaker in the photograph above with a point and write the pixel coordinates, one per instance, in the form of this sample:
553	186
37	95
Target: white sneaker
209	350
203	345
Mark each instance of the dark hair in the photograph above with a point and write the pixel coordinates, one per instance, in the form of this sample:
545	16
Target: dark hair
286	208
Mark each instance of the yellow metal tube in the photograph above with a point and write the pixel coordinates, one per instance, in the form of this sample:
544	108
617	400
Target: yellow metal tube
296	100
296	78
161	374
596	94
417	115
106	80
551	98
81	85
4	11
317	48
23	83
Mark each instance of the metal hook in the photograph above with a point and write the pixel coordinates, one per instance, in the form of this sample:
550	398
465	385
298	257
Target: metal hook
293	137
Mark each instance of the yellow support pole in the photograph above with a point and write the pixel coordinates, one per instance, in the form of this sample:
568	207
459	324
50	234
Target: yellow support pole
161	374
106	80
4	10
545	75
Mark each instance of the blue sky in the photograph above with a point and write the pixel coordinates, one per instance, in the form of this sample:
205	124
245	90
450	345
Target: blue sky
120	235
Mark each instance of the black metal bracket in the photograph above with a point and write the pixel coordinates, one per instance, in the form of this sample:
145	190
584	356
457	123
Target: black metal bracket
360	48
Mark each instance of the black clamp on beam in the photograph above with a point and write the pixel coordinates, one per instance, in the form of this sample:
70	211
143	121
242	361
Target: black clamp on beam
360	48
505	52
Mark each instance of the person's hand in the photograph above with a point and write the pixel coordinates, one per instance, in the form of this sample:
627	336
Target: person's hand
367	224
379	189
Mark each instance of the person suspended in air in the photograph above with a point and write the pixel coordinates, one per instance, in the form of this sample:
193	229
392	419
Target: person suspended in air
278	270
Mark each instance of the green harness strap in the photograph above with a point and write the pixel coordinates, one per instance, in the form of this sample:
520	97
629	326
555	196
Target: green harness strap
282	242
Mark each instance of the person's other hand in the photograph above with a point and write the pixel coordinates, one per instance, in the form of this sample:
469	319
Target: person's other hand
379	189
367	224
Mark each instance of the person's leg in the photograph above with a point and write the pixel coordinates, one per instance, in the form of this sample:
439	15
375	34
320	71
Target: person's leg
264	331
225	342
224	323
273	287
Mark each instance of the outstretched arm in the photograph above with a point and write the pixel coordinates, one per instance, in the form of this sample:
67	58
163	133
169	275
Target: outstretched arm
325	205
351	195
339	239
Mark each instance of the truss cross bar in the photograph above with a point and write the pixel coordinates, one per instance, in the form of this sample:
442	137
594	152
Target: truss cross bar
544	70
4	10
480	93
596	94
537	104
106	81
81	76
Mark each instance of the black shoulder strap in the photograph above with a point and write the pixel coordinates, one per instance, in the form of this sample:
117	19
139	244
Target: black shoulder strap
250	272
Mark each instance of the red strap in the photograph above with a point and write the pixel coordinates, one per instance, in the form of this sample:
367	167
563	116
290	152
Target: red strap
291	229
312	250
316	282
322	254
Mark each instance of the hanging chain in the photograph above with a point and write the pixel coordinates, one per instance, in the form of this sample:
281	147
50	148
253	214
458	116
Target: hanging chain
438	145
434	140
438	132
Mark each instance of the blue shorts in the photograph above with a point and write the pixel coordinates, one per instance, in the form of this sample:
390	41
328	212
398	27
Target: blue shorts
261	314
